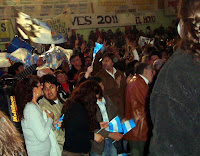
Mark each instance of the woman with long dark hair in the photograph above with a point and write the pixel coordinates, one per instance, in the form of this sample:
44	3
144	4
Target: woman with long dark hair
36	131
80	119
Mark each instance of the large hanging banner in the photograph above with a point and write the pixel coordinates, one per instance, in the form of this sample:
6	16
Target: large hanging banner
112	20
51	8
85	13
124	6
4	31
61	23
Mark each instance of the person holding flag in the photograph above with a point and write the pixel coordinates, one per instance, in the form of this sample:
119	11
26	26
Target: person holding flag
106	111
80	119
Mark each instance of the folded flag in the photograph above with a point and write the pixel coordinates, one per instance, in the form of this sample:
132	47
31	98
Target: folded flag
128	125
97	48
60	119
122	154
115	125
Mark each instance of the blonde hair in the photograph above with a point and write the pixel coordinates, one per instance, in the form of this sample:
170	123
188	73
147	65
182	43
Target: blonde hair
10	142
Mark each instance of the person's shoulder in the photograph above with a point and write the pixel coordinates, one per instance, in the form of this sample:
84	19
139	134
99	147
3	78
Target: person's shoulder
44	103
136	81
101	72
179	62
30	107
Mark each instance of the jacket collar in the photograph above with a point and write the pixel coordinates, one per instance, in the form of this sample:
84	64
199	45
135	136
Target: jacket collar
53	103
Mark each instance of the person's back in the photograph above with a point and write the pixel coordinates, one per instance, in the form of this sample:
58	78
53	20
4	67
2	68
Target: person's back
174	107
175	98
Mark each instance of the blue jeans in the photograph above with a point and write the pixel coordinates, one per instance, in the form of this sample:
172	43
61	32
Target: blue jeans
109	149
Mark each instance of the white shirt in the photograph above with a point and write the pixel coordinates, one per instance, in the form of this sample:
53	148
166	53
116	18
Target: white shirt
56	101
145	79
112	74
102	107
136	56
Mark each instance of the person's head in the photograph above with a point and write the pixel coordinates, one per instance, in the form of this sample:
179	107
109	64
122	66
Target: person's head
61	76
76	61
164	56
10	141
189	14
108	61
17	68
157	65
26	90
87	61
145	59
99	81
86	94
130	67
50	87
153	57
113	49
145	70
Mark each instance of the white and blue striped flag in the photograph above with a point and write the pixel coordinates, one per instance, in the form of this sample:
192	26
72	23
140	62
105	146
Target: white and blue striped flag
115	125
122	154
128	125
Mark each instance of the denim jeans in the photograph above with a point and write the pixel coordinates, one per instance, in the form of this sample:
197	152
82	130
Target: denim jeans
109	149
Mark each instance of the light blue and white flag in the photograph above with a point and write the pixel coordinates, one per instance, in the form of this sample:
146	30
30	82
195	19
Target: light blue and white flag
115	125
128	125
122	154
97	47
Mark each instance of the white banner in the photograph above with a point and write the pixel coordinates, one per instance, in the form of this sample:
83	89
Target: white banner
94	21
111	20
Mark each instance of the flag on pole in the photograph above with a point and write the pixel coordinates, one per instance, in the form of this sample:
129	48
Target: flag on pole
128	125
97	47
115	125
36	30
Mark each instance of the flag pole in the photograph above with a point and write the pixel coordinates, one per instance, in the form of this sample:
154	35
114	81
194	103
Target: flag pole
115	140
99	130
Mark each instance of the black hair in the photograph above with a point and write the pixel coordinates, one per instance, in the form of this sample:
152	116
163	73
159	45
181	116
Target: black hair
14	67
95	78
72	57
49	79
139	68
109	55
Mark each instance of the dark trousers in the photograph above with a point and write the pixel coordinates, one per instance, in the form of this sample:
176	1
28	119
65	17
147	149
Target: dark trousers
137	148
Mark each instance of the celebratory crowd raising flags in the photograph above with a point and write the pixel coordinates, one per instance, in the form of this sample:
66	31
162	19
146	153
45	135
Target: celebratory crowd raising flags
80	98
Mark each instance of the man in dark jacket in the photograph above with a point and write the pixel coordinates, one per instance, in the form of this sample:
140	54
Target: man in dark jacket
114	82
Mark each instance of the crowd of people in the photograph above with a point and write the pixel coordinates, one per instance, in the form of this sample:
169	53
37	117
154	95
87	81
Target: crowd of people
154	83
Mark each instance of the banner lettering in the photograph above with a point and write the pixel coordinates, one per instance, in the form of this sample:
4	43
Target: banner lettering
4	31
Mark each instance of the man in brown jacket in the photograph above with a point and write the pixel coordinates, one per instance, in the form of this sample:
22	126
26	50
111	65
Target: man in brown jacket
135	103
114	82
